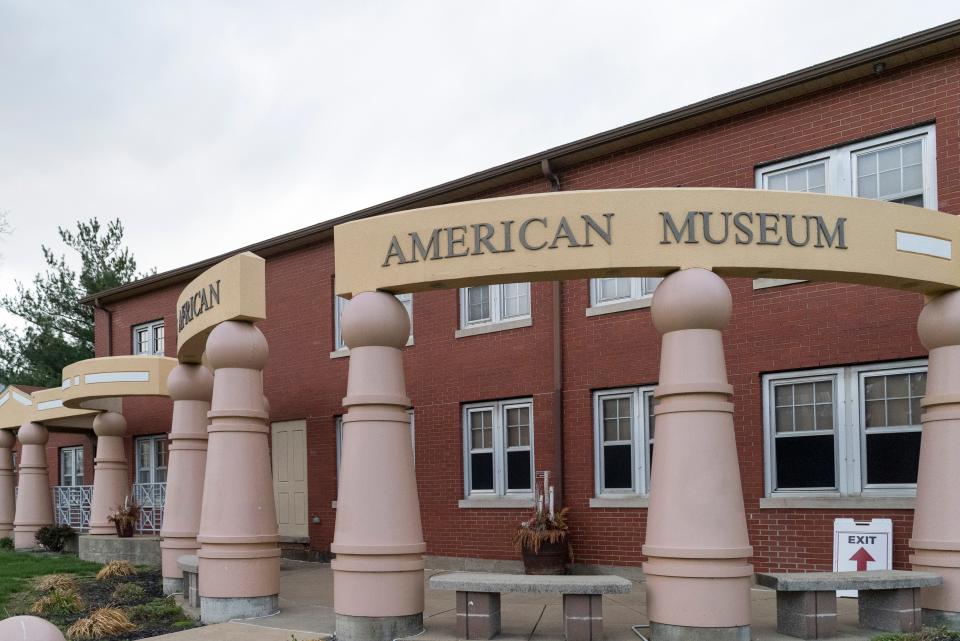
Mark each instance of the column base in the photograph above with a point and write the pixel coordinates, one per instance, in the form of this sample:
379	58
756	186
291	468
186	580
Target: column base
351	628
172	586
667	632
223	609
25	539
940	619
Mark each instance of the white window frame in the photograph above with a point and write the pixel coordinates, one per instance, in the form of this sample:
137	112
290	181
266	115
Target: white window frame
500	449
641	399
850	458
497	317
71	452
640	296
338	427
339	347
156	342
153	468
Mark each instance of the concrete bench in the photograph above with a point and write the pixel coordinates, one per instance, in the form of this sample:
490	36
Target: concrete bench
478	600
189	565
807	601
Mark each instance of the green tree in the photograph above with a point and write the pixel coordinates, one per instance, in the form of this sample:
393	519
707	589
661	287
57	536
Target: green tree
58	329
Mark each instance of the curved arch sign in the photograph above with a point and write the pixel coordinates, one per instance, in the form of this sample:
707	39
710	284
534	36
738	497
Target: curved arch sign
650	232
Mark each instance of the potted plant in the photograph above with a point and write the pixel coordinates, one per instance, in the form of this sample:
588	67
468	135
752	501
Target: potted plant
125	518
543	540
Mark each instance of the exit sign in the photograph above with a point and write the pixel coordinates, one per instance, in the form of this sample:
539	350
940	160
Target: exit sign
862	546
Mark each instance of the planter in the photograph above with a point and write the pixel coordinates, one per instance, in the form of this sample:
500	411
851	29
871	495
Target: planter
551	558
124	530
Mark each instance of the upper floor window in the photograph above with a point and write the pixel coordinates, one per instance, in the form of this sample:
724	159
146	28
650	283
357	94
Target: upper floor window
846	431
623	428
899	167
151	455
148	338
71	466
608	291
339	303
488	304
498	448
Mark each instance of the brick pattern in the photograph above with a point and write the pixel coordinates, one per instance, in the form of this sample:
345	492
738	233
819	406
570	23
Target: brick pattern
785	328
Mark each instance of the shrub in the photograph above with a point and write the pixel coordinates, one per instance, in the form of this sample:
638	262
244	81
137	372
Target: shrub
6	543
156	611
105	622
52	582
58	602
55	537
128	592
116	568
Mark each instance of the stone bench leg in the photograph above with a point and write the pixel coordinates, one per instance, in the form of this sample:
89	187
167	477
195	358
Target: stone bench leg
582	617
190	593
808	615
891	610
478	615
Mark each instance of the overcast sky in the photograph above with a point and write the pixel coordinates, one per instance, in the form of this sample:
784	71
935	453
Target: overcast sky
205	126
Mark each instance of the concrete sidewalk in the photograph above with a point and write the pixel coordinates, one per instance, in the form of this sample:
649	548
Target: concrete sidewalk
306	600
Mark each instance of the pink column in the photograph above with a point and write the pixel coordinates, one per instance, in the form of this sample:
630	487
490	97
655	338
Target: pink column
936	519
698	577
239	560
8	484
34	501
190	387
111	485
378	539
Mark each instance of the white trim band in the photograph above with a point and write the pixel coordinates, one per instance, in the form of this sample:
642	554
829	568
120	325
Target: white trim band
926	245
117	377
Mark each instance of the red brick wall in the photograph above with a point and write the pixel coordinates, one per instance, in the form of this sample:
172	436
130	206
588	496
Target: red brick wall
784	328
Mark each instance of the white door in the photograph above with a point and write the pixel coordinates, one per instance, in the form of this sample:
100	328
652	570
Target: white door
290	476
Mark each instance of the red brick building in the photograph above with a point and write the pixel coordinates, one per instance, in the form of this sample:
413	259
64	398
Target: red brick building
827	377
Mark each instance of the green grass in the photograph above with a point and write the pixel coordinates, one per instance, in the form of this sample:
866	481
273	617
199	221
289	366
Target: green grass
927	634
17	568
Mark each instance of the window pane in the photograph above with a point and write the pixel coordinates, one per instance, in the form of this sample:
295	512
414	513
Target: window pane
913	178
918	384
518	470
783	395
158	339
803	393
824	416
867	187
516	299
78	466
784	419
874	387
803	418
866	165
816	177
876	414
913	201
617	467
518	427
898	412
893	458
481	471
824	392
889	183
478	303
481	429
649	285
805	462
777	182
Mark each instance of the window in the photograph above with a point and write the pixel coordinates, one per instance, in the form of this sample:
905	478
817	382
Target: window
498	448
624	429
71	466
844	431
897	167
339	436
487	304
339	303
148	338
608	291
151	453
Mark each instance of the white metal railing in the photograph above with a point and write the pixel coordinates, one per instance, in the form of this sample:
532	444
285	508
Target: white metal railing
71	505
150	497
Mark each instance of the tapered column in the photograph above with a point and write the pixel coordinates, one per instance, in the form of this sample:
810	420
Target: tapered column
111	485
378	539
936	519
34	501
8	484
698	578
190	387
239	560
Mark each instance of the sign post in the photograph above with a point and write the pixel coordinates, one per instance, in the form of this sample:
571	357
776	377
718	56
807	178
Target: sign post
862	546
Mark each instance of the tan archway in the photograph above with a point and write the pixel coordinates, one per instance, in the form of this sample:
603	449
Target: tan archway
698	576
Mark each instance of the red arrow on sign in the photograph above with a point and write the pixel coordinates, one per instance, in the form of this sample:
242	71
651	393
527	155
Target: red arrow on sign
861	557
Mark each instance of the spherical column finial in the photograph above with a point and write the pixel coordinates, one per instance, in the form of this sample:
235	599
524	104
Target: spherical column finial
237	344
375	319
32	434
109	424
7	439
691	299
190	383
939	321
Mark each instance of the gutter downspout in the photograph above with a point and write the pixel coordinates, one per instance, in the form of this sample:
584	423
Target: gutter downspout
554	180
97	305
